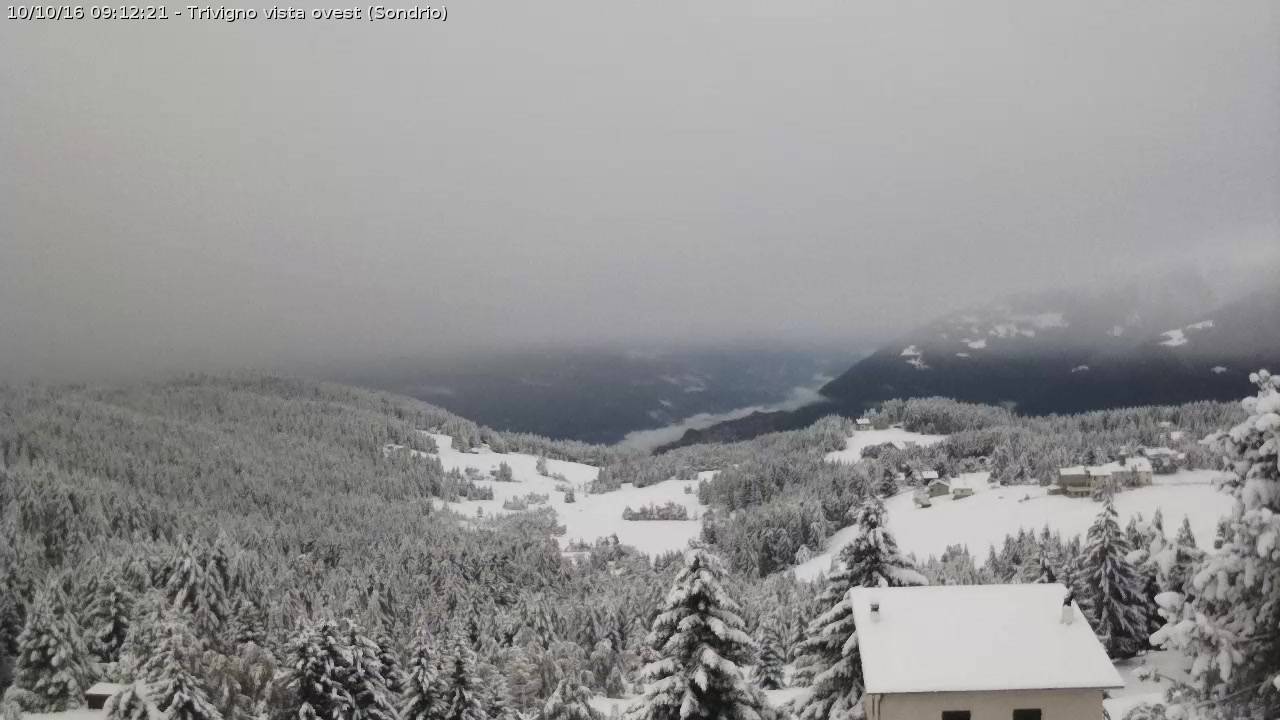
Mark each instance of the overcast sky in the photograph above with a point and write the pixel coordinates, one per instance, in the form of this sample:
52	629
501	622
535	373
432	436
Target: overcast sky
206	194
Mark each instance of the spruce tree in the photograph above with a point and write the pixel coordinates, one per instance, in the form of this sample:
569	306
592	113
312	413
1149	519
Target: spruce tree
200	583
130	703
1229	626
425	689
570	701
174	687
318	660
365	682
701	646
872	559
1114	587
769	673
829	659
53	661
465	700
109	615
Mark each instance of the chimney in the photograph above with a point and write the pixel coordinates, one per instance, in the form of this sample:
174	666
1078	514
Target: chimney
1068	612
875	612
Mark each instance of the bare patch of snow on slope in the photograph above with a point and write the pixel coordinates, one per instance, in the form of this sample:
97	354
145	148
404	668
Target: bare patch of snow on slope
985	518
592	516
862	439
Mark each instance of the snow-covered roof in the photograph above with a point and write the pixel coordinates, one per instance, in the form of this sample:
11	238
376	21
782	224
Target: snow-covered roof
1139	464
929	475
1073	470
972	481
956	638
862	421
104	688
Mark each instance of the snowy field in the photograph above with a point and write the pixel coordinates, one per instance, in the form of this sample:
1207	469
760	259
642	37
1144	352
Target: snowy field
863	439
592	516
989	515
1139	686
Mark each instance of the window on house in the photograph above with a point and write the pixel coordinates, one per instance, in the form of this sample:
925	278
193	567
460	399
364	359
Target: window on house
955	715
1026	714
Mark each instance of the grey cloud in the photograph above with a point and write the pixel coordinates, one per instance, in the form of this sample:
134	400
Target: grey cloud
216	195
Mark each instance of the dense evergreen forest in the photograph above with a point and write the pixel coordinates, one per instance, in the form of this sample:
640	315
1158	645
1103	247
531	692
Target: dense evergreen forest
245	547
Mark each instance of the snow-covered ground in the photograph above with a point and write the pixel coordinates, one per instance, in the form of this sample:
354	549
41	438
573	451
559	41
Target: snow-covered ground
608	705
592	516
862	439
990	514
1139	685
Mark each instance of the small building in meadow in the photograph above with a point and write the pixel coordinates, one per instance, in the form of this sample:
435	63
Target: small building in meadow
862	423
937	487
979	652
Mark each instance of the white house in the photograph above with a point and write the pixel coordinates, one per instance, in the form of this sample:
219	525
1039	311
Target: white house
862	423
979	652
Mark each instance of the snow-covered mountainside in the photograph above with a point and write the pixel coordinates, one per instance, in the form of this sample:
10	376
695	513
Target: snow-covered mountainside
1073	352
1057	352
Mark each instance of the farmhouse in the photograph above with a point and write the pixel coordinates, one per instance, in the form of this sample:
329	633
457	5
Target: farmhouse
1083	479
979	652
862	423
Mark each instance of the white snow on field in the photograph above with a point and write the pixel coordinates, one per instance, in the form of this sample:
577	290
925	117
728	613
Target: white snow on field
863	439
1139	686
592	516
990	514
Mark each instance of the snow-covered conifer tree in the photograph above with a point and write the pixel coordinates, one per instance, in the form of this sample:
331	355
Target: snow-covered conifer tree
465	700
772	657
1230	627
570	701
174	687
53	661
130	703
109	615
828	658
365	682
1113	586
318	660
425	689
200	583
701	646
